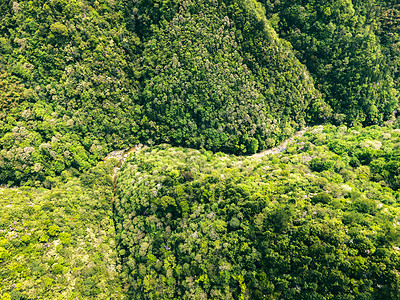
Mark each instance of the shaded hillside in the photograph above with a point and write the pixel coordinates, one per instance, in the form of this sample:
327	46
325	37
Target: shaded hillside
79	79
214	74
200	212
338	42
386	15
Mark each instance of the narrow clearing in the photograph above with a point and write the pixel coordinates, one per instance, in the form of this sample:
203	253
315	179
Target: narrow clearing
121	155
281	147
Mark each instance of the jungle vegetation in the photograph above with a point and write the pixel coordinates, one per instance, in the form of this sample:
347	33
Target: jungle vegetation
204	85
319	221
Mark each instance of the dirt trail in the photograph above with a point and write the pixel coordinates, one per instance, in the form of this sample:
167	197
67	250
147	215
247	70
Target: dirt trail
121	155
281	147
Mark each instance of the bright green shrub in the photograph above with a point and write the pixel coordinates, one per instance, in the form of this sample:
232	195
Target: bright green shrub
37	257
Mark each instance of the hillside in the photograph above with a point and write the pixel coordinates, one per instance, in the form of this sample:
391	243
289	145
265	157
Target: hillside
69	90
318	218
60	243
319	221
207	149
81	79
339	42
215	75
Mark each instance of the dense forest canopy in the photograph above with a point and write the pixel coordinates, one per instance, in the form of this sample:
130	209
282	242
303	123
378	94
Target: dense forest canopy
317	222
81	78
70	89
339	43
215	75
60	243
201	212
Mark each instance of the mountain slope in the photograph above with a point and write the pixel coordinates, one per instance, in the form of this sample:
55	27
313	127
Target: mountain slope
338	43
60	243
69	90
216	75
81	79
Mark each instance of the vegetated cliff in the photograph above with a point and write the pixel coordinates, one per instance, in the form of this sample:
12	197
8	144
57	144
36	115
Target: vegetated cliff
79	78
345	46
215	75
67	87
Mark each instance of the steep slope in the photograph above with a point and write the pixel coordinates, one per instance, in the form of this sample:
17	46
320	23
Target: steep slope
214	74
386	22
60	243
78	83
337	42
80	79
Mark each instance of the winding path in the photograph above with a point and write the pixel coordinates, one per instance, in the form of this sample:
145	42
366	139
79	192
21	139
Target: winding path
281	147
121	155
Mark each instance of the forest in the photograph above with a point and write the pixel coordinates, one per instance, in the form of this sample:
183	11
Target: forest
205	210
317	222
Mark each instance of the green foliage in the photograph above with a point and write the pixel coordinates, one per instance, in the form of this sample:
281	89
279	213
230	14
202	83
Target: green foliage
384	17
58	243
302	224
350	64
58	28
216	76
67	90
79	78
324	198
318	220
